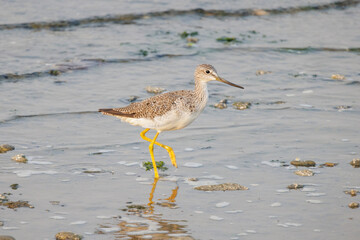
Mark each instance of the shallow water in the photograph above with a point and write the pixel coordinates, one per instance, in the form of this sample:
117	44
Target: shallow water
91	164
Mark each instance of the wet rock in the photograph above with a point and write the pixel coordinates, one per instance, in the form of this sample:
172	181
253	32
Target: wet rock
337	77
222	187
67	236
328	164
54	72
227	39
193	179
221	104
355	162
192	40
260	12
5	148
20	158
14	186
304	173
352	192
354	205
342	107
241	105
133	98
186	34
93	170
295	186
298	163
54	203
262	72
155	90
6	237
17	204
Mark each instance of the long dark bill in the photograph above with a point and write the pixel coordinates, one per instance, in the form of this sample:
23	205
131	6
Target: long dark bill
227	82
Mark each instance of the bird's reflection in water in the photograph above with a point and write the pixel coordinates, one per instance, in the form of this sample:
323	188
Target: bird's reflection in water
142	221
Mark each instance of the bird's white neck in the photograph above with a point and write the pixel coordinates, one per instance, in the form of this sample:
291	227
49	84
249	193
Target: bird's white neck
201	93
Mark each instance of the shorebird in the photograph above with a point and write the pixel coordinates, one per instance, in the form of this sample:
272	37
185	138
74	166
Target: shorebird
169	111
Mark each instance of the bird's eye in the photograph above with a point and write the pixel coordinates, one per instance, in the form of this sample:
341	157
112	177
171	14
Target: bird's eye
207	71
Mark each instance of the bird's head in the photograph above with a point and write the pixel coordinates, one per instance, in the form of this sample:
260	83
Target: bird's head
207	73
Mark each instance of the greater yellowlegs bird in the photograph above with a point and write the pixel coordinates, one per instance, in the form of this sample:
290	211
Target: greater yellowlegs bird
169	111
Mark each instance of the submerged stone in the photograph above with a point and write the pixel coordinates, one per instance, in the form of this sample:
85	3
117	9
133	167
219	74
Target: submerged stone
17	204
241	105
338	77
295	186
262	72
328	164
354	205
222	187
307	163
155	90
5	148
304	173
221	104
352	192
355	162
67	236
14	186
20	158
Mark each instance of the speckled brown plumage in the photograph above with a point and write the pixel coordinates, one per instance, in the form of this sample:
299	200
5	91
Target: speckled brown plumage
155	106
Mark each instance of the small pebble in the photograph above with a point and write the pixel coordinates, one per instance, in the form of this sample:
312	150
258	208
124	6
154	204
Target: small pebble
260	12
295	186
337	77
241	105
355	162
14	186
352	192
298	163
304	173
328	164
222	104
192	40
20	158
221	187
262	72
155	90
132	98
6	147
353	205
67	236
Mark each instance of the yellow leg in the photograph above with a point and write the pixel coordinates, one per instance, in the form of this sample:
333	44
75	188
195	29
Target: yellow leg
151	149
168	149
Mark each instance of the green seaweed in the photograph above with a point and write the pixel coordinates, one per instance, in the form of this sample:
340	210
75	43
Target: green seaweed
186	34
227	39
160	165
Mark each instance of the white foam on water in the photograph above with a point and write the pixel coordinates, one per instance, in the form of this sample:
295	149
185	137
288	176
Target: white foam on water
222	204
216	218
231	167
78	222
314	201
110	229
28	173
193	165
275	204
